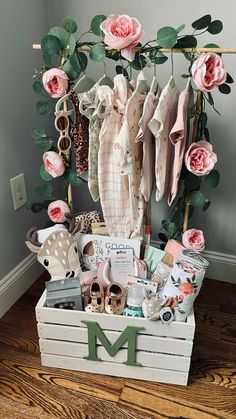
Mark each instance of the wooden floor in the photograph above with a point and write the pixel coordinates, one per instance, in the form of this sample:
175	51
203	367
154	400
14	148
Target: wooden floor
28	390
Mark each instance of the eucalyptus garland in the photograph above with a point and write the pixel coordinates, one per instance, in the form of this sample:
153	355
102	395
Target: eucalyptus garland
61	49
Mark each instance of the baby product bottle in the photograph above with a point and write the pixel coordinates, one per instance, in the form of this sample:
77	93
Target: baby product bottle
134	301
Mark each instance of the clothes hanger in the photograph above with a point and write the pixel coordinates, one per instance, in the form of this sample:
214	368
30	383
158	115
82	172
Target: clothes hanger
154	83
142	85
84	84
60	102
105	80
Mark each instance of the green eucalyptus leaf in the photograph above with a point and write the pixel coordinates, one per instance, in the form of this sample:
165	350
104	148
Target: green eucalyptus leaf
202	23
47	58
224	88
38	86
169	226
95	25
212	179
163	237
44	174
45	191
139	62
36	207
83	60
43	108
187	41
160	58
211	45
71	44
72	67
70	176
192	182
167	37
210	98
197	199
59	33
122	70
69	24
206	205
229	79
51	45
180	28
38	133
215	27
44	143
97	52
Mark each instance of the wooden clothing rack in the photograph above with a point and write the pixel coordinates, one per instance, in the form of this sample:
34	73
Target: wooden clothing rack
87	48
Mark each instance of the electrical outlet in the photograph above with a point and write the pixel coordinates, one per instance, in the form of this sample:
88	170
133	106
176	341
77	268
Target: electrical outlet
18	191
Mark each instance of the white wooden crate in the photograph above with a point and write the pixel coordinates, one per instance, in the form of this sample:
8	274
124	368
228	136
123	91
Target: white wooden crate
164	352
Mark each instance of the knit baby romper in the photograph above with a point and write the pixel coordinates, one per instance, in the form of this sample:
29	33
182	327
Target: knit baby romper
178	137
130	157
160	125
113	187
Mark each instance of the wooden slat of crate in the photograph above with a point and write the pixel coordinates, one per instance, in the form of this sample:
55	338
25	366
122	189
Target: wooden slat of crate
144	342
117	370
111	322
146	359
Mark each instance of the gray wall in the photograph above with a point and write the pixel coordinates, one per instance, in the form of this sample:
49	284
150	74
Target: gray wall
21	22
218	222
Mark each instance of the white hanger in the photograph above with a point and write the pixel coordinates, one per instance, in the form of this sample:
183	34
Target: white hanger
61	102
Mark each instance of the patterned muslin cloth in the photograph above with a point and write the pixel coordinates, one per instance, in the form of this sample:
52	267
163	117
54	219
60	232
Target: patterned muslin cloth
184	282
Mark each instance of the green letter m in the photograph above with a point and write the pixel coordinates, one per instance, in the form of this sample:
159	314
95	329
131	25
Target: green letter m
128	335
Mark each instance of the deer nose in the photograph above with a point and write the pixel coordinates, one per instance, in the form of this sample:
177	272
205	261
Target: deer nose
70	274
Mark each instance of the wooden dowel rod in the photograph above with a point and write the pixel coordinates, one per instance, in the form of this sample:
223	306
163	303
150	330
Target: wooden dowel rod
164	50
198	106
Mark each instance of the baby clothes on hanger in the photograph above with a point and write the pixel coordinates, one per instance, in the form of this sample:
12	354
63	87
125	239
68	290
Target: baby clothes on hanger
178	137
160	125
146	137
129	155
79	132
88	107
113	187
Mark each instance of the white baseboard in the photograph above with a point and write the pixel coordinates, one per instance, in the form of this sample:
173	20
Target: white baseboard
222	266
16	282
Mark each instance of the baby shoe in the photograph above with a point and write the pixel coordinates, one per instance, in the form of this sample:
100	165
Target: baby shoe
115	299
95	301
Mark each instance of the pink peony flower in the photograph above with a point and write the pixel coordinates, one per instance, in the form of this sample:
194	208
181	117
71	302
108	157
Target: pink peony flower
194	239
57	211
123	33
200	159
55	82
208	71
53	163
186	288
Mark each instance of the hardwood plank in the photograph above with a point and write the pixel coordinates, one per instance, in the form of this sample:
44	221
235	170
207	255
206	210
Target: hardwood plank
158	404
11	409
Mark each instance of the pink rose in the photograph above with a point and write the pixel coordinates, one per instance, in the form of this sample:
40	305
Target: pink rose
53	163
200	159
186	288
194	239
55	82
208	71
122	32
57	211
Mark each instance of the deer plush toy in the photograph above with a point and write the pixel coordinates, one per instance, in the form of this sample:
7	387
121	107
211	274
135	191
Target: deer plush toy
58	253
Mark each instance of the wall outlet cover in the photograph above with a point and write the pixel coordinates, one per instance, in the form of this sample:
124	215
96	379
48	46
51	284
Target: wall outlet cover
18	191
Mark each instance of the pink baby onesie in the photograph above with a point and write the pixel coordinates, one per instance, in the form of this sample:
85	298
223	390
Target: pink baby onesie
178	137
129	154
113	187
160	125
146	137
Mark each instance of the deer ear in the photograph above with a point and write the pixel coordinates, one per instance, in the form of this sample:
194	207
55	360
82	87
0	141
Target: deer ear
32	247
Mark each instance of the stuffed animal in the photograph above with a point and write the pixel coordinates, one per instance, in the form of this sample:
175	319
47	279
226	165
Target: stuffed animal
58	253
